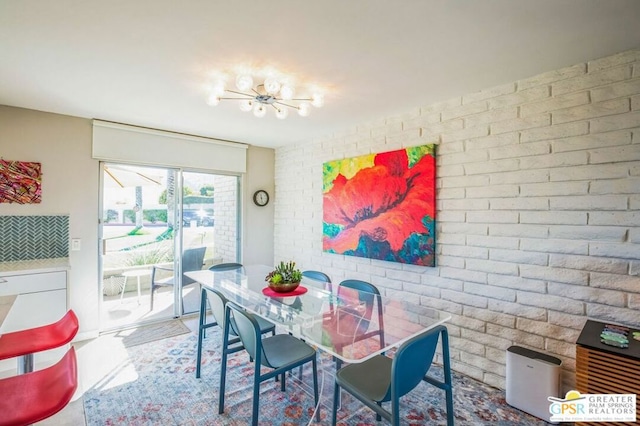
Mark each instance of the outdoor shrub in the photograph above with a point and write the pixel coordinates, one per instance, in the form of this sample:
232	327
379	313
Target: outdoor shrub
155	215
149	255
110	216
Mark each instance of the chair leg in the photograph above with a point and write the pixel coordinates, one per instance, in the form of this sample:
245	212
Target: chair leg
395	412
449	393
223	367
336	396
204	336
152	290
201	330
282	382
256	395
446	364
315	387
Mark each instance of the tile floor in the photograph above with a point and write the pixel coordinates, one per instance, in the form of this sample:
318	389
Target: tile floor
117	313
97	358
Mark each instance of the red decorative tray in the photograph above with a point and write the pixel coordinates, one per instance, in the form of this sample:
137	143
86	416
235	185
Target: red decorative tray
297	292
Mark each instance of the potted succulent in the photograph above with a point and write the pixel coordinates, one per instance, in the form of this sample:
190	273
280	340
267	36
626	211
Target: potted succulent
284	278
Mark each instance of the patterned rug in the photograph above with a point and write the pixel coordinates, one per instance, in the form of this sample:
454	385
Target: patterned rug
166	392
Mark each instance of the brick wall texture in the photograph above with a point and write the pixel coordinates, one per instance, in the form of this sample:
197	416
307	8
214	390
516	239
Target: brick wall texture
538	211
226	218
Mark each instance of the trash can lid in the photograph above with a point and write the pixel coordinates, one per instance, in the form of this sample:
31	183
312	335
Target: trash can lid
519	350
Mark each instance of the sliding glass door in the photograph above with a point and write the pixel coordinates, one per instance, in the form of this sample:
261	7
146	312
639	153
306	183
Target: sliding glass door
157	224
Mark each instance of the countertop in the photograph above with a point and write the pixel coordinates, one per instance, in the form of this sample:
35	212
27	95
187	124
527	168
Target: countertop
34	266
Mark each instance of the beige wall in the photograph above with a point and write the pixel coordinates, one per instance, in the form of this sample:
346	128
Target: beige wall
538	210
70	186
258	221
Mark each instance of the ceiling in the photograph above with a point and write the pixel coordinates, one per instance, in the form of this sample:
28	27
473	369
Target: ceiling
149	62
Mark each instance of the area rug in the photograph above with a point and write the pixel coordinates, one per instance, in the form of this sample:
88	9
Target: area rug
166	392
150	333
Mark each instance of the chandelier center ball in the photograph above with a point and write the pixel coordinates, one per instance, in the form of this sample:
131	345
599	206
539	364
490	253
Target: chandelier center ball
265	99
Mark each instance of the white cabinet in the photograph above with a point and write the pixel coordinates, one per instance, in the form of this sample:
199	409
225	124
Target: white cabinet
40	299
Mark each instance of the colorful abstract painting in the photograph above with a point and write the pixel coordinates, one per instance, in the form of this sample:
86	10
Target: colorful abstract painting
20	182
382	206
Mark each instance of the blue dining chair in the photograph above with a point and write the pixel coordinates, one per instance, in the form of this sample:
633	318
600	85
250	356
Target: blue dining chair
223	267
227	267
280	353
319	276
218	302
382	379
323	278
369	295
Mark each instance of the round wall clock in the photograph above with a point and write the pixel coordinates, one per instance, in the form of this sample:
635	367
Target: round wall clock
261	198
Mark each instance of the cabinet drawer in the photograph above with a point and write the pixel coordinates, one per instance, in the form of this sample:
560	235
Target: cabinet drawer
32	283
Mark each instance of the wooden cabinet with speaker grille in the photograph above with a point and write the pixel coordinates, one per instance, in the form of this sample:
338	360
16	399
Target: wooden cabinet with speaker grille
606	369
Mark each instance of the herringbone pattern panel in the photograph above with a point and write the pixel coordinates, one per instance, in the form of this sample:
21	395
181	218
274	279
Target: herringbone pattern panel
33	237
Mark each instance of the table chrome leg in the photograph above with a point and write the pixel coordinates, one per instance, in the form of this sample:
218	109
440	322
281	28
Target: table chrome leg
25	364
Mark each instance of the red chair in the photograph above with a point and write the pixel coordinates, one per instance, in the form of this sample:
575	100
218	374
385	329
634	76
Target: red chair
31	397
25	343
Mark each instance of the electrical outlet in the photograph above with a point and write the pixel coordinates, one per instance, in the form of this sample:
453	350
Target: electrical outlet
75	244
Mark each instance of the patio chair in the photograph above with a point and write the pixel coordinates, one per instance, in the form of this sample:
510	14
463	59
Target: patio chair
281	353
192	260
382	379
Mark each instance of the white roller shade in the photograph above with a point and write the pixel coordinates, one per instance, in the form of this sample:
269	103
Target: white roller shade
121	143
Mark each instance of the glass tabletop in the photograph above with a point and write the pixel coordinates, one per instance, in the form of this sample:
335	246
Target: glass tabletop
349	324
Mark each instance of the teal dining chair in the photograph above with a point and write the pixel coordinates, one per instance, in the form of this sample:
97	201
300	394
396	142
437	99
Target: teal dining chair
232	266
383	379
218	302
319	276
224	267
326	281
280	353
369	296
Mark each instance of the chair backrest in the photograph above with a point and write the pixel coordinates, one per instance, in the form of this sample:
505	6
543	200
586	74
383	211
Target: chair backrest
248	330
37	339
413	360
217	301
227	267
32	397
192	260
319	276
368	293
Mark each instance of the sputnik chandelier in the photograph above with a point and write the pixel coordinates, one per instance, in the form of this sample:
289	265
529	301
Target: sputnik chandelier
272	93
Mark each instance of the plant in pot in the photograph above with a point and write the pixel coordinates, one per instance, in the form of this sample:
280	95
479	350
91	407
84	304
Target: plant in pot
284	278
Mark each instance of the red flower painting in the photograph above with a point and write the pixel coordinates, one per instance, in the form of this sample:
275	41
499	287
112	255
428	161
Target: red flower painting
382	206
20	182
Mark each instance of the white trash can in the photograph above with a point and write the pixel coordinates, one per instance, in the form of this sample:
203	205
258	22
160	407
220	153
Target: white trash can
532	377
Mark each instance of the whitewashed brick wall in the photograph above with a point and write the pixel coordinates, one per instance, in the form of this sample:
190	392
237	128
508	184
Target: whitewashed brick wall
538	211
226	218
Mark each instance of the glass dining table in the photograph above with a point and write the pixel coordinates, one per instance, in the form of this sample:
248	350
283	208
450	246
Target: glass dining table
349	324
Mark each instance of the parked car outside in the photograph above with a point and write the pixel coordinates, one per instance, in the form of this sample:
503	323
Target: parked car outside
201	218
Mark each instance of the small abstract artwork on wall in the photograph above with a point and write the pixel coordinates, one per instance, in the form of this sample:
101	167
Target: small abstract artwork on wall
20	182
382	206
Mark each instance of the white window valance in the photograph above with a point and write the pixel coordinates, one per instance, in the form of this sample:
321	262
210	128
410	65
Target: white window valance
122	143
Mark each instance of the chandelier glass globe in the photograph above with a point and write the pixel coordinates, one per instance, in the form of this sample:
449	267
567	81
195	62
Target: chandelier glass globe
274	92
